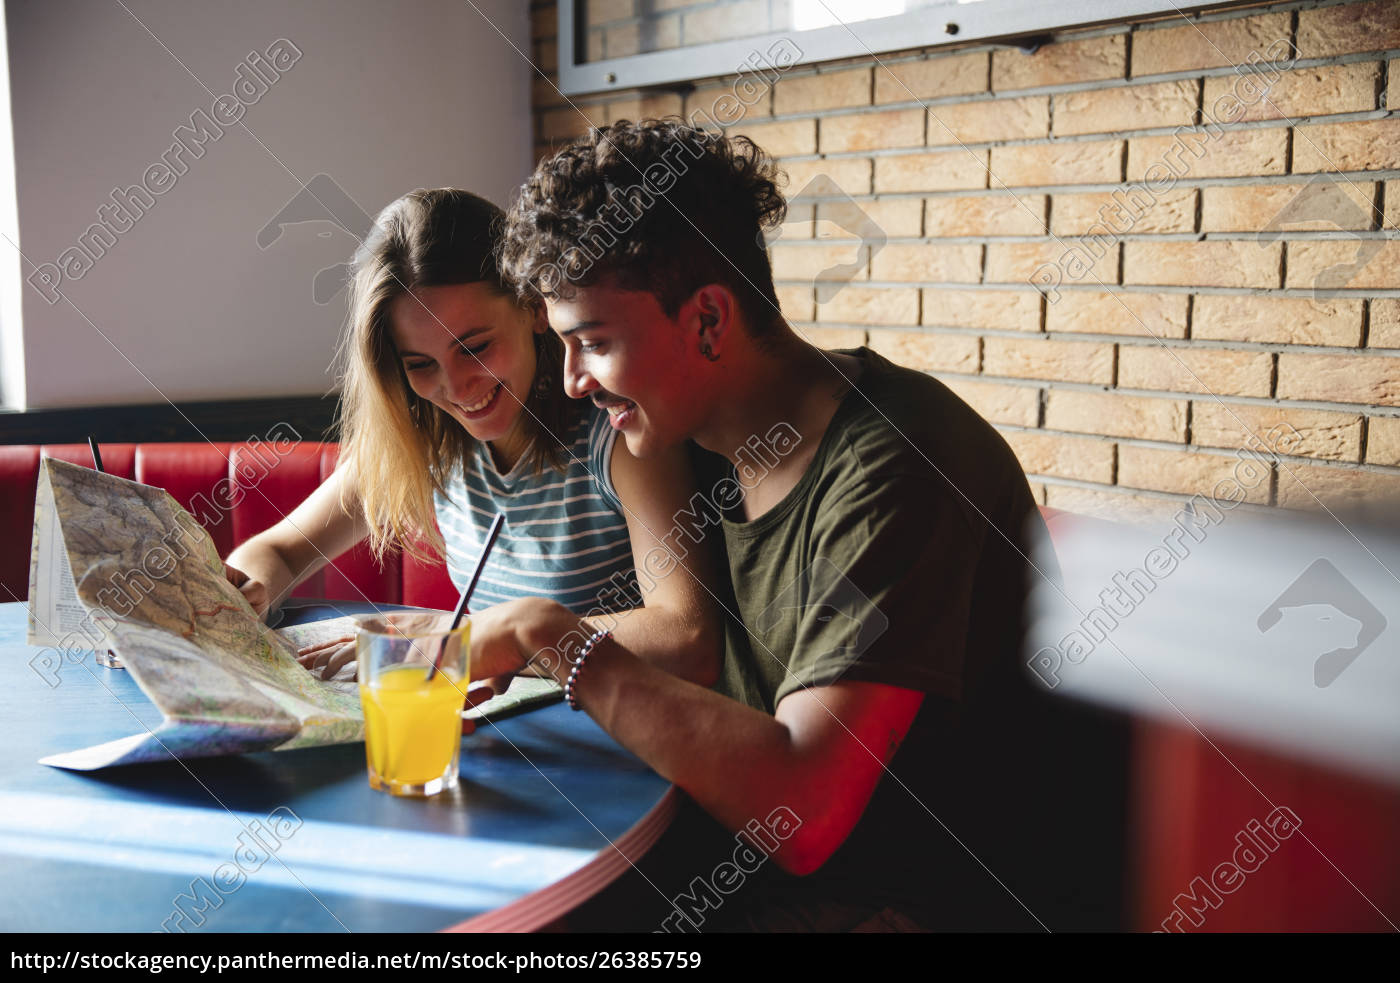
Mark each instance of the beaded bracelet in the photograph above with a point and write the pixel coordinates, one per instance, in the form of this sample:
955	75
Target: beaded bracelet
584	651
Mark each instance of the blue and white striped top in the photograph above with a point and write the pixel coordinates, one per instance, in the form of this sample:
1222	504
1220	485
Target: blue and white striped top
565	535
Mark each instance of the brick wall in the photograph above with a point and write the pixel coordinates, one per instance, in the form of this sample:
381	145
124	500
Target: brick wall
1138	262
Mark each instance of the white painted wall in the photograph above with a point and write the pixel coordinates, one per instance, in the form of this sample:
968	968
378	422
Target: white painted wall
11	269
384	98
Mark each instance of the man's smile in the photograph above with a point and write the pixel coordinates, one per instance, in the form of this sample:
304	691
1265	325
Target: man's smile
620	411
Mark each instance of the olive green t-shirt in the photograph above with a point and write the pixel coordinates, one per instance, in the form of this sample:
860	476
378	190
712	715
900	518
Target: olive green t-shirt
910	516
898	558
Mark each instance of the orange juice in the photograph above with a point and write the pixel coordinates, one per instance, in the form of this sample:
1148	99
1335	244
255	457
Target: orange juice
412	728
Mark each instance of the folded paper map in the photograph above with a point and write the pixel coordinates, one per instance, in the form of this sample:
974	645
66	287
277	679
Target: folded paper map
122	566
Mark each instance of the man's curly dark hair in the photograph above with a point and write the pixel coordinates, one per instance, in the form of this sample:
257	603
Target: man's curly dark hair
657	205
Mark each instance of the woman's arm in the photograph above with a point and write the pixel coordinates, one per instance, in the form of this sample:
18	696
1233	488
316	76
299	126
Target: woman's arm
316	532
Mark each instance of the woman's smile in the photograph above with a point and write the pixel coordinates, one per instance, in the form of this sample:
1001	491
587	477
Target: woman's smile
483	406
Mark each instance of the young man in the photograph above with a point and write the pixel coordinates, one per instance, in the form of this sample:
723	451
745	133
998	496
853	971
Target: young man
869	727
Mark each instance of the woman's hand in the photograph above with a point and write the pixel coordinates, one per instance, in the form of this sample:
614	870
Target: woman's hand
505	639
329	657
255	592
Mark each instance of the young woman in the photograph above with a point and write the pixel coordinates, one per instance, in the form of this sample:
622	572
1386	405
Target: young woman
453	409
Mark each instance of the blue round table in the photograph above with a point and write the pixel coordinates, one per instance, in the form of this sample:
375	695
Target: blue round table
550	810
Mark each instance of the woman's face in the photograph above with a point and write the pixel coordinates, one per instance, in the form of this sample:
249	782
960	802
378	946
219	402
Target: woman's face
469	351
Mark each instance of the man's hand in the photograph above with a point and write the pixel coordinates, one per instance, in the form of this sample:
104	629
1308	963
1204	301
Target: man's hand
507	639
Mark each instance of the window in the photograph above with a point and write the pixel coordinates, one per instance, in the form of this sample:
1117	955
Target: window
654	42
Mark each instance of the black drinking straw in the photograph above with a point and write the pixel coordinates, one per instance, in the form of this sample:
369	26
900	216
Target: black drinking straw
491	535
111	661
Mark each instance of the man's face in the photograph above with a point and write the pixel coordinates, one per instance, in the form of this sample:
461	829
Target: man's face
624	353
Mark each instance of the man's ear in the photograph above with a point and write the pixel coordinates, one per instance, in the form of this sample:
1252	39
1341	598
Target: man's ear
540	323
714	317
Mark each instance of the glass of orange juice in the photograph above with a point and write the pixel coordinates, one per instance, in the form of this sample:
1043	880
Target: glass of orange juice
412	671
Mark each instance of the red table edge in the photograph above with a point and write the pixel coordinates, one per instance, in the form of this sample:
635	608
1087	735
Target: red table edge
539	908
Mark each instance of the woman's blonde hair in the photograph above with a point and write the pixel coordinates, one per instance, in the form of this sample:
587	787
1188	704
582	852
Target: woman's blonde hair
400	448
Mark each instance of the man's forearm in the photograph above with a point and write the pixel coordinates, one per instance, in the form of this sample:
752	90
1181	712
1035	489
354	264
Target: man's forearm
738	763
684	645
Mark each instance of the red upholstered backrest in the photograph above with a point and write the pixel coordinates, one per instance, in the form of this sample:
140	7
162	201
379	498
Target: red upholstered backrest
415	582
19	476
355	576
117	459
271	482
428	585
235	491
196	476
